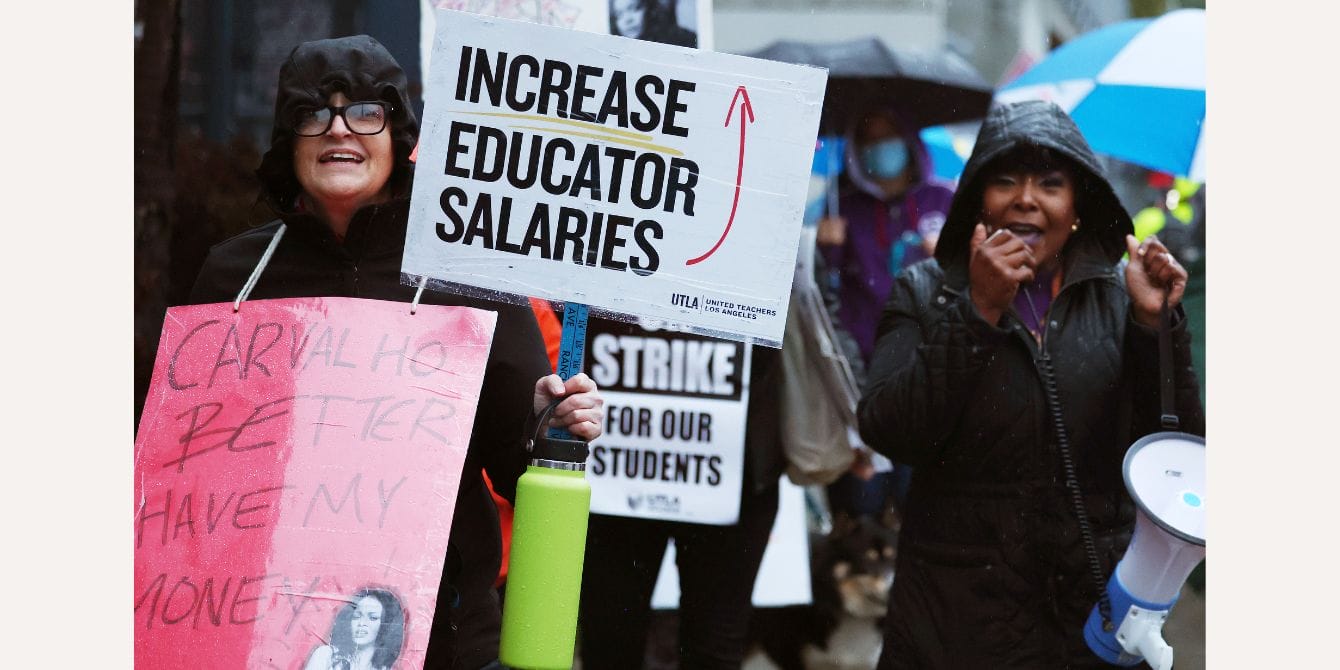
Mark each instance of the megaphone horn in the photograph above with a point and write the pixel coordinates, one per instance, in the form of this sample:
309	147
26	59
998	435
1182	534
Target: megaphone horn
1165	474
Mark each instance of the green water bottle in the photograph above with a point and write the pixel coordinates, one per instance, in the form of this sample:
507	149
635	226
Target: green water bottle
544	574
553	503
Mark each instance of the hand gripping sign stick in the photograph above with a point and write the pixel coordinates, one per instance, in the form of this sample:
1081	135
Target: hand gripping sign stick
553	503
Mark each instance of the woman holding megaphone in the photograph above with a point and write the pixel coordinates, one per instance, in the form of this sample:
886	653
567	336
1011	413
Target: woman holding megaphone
1012	371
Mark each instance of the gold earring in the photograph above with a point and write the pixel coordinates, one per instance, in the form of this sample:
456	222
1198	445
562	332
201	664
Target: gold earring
1075	226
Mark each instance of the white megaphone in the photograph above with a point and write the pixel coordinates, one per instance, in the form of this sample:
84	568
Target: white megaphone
1165	474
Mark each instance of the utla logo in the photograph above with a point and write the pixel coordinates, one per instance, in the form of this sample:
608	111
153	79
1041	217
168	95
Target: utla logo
684	300
661	502
634	501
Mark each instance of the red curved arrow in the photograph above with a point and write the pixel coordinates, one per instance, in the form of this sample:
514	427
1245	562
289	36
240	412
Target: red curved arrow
746	117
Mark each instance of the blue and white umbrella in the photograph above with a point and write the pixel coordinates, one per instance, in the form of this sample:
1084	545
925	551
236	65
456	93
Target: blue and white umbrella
1136	89
949	148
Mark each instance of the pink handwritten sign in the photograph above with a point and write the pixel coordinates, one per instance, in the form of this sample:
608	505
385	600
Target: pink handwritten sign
296	469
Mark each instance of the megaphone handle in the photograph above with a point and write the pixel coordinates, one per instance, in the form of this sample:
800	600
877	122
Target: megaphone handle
1141	635
1167	390
1076	495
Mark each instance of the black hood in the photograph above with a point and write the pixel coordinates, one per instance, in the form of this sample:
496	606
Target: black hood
362	69
1104	223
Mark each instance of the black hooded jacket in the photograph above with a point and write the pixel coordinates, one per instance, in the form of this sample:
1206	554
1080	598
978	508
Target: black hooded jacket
310	261
991	571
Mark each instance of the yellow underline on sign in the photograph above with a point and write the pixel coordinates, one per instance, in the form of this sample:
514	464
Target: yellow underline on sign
607	138
571	122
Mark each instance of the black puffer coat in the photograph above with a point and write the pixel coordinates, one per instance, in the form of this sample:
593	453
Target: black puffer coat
310	261
991	572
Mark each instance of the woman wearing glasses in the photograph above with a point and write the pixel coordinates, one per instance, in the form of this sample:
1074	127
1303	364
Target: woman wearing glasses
337	174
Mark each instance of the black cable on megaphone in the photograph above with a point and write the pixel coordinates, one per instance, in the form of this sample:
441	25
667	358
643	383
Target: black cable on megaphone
1072	486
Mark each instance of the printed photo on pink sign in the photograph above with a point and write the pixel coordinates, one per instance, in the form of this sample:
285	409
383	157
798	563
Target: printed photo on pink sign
296	469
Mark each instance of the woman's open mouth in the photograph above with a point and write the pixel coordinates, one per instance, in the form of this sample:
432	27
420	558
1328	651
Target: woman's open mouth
1027	233
348	157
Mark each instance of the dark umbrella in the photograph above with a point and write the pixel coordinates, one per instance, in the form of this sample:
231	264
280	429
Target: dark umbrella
926	89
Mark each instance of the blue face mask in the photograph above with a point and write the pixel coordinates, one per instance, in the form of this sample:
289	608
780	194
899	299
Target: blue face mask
885	159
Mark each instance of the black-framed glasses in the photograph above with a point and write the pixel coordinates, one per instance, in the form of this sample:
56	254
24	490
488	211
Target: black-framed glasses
361	118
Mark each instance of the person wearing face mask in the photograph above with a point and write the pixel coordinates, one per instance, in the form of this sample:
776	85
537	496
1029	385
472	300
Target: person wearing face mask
888	219
1012	371
337	175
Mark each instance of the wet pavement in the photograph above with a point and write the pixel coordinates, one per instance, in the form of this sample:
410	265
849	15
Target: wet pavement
855	645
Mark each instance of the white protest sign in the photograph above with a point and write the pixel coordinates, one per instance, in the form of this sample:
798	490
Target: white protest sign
783	575
673	444
634	177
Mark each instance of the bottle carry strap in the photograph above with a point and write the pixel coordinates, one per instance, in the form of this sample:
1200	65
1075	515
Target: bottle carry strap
547	448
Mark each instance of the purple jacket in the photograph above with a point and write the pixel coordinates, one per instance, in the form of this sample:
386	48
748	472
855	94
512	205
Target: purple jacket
883	237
